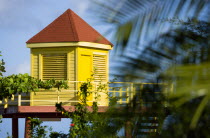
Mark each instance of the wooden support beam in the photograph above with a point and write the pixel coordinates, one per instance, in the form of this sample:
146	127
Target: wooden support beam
27	127
128	129
15	127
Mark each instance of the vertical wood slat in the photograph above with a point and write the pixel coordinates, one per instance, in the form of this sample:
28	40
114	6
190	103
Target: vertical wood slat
71	69
131	91
107	67
76	55
32	64
120	95
128	95
40	66
19	99
68	66
35	65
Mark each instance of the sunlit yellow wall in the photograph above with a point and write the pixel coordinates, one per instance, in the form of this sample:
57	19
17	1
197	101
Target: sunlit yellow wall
85	68
85	62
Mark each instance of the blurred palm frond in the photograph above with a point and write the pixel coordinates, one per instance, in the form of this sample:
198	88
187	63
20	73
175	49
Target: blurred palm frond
144	31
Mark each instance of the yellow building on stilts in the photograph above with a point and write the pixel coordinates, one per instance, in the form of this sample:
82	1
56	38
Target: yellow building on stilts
68	49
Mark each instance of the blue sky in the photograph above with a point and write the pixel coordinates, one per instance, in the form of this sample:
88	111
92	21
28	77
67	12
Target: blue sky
22	19
19	21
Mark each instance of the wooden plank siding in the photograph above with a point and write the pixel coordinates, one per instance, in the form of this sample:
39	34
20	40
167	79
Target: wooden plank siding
71	73
50	98
67	63
57	63
99	59
35	66
85	68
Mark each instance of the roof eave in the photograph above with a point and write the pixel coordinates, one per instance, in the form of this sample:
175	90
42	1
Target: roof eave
69	44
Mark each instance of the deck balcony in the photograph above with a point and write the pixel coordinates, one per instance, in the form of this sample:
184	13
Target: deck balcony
123	91
41	104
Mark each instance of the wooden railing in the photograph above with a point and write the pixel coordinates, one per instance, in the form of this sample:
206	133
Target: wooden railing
124	91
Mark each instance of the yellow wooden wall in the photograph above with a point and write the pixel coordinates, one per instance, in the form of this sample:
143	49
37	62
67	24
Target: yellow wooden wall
36	57
85	68
36	71
80	66
85	62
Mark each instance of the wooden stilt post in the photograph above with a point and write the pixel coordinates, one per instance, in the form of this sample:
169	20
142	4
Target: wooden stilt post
27	128
128	129
15	127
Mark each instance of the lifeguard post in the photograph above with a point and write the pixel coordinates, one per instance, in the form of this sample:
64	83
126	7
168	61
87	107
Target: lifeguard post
68	49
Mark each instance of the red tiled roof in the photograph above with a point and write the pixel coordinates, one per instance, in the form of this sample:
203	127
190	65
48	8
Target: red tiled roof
69	27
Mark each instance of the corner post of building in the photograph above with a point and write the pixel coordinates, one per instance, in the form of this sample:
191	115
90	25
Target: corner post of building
15	127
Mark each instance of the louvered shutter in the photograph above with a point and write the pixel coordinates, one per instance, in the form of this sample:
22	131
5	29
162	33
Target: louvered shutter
35	66
99	63
54	66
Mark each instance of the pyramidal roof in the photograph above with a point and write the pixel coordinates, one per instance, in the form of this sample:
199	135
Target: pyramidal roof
68	27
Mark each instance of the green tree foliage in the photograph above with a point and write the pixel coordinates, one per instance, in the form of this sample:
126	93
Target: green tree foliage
52	83
57	135
23	83
2	68
86	121
36	130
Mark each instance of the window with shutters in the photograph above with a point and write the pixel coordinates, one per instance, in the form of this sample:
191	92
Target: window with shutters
54	66
99	63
